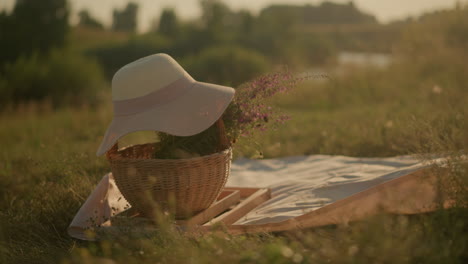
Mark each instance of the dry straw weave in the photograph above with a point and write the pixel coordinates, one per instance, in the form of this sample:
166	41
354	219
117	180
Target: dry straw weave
181	186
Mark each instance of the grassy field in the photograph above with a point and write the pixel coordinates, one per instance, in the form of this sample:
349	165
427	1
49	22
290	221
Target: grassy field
48	168
417	106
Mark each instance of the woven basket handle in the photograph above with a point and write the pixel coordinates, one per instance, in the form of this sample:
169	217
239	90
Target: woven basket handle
112	151
223	140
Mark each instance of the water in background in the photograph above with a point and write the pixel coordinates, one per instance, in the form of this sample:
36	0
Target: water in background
364	59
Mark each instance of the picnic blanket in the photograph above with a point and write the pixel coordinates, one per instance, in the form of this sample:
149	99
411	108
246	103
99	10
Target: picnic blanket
299	185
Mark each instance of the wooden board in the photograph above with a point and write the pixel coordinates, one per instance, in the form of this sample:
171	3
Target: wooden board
253	198
232	204
225	200
244	191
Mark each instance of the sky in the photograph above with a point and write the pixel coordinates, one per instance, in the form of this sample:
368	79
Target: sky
384	10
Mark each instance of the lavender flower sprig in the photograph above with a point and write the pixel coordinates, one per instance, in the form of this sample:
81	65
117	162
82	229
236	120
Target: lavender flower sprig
250	110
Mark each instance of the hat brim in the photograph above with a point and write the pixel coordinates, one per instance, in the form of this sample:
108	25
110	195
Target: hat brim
193	112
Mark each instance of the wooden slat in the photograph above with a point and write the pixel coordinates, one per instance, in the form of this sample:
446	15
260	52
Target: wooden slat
244	191
225	193
254	200
227	199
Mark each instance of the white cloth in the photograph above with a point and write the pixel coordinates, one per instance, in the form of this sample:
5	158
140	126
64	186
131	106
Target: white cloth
303	184
299	185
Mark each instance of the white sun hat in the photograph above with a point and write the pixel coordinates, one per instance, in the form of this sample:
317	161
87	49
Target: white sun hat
156	93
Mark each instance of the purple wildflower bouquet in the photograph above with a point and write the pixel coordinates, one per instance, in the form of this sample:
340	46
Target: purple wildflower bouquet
250	111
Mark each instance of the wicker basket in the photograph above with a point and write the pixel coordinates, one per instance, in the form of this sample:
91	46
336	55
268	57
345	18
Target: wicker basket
182	186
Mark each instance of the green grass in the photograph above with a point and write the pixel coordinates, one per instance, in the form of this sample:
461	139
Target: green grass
48	168
418	106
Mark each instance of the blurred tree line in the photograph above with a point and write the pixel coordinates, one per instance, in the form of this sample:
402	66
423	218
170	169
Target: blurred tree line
33	26
34	63
230	47
42	57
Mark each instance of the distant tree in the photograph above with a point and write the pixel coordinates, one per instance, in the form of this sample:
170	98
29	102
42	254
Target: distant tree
275	35
217	21
86	20
126	20
33	26
3	16
6	43
247	21
245	25
214	13
168	23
